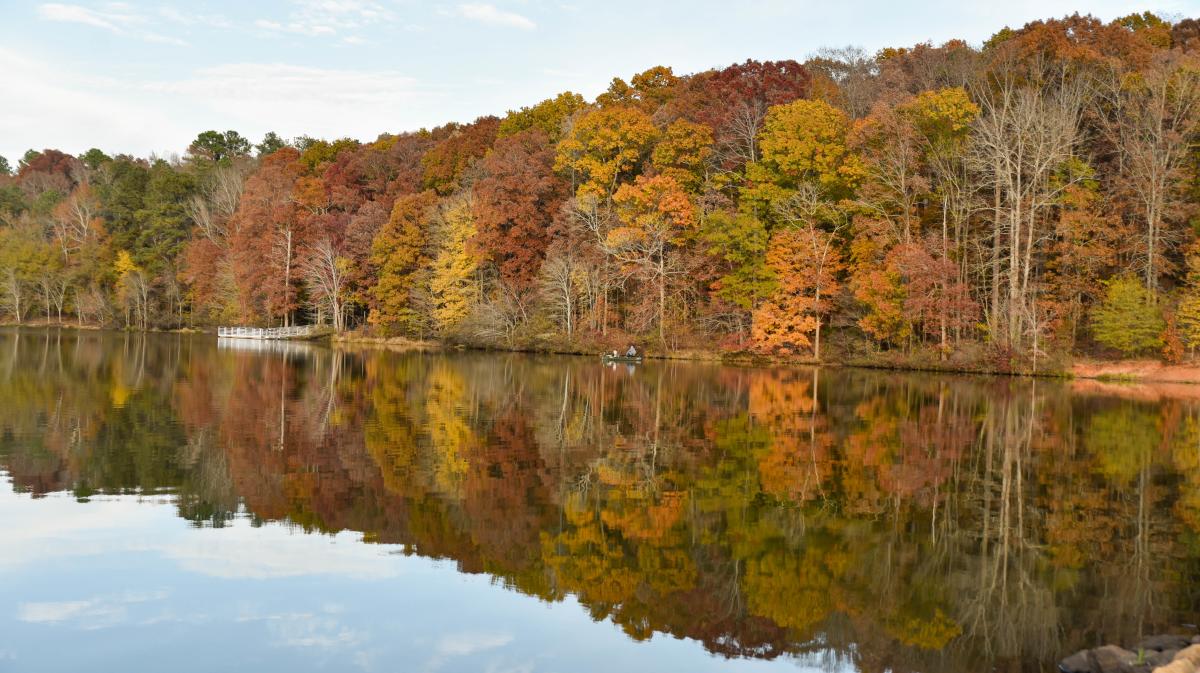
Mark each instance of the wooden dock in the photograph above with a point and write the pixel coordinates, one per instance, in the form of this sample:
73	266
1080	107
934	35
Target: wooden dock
269	333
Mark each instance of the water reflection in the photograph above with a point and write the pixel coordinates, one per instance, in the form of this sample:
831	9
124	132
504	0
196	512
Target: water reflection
838	519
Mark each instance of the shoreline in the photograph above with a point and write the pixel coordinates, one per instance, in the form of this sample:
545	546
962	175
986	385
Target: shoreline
1149	379
1157	378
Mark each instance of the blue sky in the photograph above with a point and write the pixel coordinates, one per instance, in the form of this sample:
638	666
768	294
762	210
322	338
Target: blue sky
145	76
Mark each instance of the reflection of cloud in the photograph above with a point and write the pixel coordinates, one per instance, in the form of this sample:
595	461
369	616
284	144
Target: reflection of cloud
93	613
464	645
321	632
313	631
273	551
57	527
38	613
526	667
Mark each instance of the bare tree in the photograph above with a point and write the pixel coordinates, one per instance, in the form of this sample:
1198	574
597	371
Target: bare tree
324	270
1023	137
855	73
15	289
594	219
212	210
54	283
497	318
559	288
893	154
75	220
135	295
740	146
1157	120
283	248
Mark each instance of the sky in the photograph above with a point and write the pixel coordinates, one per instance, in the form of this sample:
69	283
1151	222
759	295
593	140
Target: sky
145	76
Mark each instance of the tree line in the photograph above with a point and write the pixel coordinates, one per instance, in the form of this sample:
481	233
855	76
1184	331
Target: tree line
1009	203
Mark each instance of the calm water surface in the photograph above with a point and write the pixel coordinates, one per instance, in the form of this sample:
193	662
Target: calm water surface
174	504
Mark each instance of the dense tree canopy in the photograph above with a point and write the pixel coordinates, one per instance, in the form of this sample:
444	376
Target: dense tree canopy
944	200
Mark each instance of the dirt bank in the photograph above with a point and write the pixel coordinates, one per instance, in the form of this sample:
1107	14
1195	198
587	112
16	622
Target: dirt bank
351	340
1136	371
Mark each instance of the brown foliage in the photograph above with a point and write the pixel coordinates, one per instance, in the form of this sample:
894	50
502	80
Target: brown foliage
516	200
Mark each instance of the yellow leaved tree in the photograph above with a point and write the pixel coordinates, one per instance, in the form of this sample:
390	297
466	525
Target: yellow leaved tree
452	284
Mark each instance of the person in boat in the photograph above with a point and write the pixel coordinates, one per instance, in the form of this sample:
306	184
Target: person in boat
632	352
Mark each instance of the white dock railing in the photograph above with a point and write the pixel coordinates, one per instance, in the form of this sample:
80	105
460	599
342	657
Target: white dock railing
298	332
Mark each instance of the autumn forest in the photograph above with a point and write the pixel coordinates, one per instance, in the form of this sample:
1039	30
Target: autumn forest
1002	206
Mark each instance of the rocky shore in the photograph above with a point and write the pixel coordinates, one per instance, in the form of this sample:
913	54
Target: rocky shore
1156	654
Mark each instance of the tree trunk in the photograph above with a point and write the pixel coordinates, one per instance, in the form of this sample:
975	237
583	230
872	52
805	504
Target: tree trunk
817	335
662	299
287	278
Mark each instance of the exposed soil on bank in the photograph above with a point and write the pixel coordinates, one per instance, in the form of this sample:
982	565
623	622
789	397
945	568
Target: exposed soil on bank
1136	371
400	344
1143	391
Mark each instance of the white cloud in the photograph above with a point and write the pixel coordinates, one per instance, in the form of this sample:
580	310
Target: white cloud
61	107
118	18
185	18
298	99
111	20
315	18
485	13
75	112
163	39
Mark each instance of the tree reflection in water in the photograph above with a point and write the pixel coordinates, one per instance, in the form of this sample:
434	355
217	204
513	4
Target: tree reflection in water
890	521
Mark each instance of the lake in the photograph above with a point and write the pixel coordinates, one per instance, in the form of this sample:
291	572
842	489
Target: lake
171	503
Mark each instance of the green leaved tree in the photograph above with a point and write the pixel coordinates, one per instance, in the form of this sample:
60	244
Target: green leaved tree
1128	319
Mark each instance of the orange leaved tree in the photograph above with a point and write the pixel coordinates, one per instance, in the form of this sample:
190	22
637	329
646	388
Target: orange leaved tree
803	255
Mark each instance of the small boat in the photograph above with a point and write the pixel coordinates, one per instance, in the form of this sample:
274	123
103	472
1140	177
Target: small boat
608	357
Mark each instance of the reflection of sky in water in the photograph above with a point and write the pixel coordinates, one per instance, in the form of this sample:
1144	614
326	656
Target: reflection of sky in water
122	583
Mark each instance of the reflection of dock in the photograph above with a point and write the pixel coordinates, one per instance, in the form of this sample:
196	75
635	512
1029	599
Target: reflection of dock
284	346
268	333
